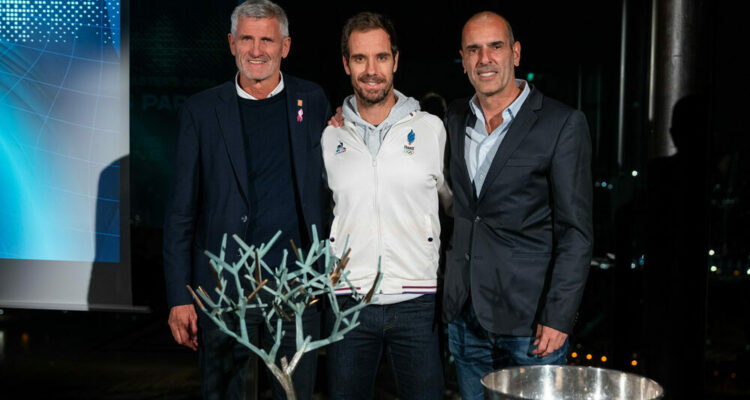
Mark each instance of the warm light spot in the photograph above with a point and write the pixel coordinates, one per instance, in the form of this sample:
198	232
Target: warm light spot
711	252
25	341
713	268
589	356
604	358
732	375
716	373
736	273
634	363
574	354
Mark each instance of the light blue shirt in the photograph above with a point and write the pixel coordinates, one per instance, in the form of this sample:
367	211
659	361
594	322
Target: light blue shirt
481	147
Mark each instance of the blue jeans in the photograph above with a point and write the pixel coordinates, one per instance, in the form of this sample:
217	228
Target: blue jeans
406	332
478	352
225	363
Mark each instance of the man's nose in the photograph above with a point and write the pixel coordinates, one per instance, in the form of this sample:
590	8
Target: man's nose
484	56
256	49
370	67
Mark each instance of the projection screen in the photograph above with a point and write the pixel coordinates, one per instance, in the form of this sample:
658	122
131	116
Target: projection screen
64	144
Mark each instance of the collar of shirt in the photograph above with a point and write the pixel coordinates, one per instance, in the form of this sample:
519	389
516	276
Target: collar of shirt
508	114
245	95
481	145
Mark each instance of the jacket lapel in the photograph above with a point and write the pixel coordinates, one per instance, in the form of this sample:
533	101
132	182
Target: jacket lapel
228	114
459	146
517	132
298	131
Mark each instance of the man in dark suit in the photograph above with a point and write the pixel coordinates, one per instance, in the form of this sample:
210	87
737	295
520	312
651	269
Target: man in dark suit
248	162
522	239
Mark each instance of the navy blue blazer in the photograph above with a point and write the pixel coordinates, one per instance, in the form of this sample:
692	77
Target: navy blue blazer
522	247
209	189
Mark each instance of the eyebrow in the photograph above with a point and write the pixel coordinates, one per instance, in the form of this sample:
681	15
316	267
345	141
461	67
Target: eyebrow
251	36
493	44
385	53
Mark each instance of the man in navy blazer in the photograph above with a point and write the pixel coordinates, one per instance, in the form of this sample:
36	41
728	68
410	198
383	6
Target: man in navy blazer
522	240
248	162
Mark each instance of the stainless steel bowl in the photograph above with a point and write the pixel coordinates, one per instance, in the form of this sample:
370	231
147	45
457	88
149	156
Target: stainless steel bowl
552	382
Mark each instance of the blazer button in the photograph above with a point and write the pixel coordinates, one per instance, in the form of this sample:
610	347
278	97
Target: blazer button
467	256
244	218
477	219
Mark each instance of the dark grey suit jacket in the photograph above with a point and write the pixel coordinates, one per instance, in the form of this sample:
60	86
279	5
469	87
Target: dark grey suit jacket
521	249
209	190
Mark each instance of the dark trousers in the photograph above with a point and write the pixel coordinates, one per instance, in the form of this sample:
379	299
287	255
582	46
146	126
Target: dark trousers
406	332
224	363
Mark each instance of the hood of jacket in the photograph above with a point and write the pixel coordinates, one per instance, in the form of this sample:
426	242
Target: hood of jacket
371	134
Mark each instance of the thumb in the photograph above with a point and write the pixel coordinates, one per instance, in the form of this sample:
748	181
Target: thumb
193	325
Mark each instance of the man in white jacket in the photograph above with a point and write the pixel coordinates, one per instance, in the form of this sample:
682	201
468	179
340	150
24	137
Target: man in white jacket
385	168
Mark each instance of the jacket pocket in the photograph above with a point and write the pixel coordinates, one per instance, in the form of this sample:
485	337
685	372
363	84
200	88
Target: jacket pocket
522	162
335	242
431	238
531	255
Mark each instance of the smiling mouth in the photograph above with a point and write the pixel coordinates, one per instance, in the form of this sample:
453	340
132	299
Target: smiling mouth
257	62
487	74
371	81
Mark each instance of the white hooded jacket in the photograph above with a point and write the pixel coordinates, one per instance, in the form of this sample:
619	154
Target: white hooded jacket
387	204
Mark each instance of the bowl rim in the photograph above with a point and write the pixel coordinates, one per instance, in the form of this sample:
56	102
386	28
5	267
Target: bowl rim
568	367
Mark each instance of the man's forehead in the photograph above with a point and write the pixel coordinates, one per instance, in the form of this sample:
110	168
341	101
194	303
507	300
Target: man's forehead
253	23
373	40
484	30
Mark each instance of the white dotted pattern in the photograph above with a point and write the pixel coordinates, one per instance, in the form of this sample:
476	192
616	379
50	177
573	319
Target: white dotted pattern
31	21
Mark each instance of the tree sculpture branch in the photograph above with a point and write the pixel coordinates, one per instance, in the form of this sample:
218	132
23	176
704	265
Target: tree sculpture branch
291	292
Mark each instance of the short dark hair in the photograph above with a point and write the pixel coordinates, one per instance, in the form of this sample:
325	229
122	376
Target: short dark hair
367	21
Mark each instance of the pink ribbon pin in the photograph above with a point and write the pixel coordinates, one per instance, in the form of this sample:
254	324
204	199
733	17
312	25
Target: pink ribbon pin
299	115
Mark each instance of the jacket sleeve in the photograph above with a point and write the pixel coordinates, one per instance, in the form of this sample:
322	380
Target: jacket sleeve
445	194
571	189
182	212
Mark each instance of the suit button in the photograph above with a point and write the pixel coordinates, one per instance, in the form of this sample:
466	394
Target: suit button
467	256
244	218
477	219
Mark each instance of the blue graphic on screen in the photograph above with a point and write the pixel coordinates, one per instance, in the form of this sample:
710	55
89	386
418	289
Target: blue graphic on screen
61	135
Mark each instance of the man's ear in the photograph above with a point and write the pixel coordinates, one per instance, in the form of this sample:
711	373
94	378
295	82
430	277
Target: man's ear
230	38
286	43
395	62
346	65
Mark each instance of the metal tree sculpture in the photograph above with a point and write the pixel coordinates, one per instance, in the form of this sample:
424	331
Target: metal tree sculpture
292	293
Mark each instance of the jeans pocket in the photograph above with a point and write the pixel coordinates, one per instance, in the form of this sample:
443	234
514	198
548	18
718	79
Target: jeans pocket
346	302
425	299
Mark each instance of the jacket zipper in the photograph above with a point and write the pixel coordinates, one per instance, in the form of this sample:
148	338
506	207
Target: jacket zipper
376	193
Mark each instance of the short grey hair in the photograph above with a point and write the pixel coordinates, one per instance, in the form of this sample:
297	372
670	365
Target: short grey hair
261	9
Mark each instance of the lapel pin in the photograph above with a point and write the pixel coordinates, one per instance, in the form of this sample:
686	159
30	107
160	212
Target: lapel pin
299	115
299	102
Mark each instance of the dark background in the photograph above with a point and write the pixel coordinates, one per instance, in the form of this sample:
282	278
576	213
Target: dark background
573	51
